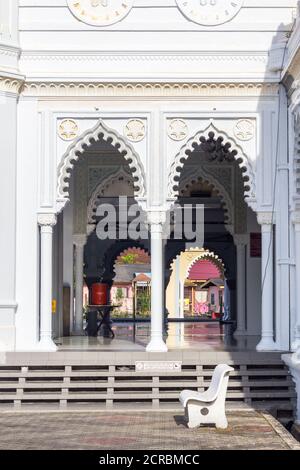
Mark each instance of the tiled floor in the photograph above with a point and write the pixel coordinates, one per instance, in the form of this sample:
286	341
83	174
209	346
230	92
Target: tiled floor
147	431
206	336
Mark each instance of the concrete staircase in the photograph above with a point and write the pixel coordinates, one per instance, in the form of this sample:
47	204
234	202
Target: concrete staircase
111	381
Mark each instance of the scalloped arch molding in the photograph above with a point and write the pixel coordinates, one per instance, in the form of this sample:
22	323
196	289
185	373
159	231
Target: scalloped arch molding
215	185
98	191
202	254
99	131
210	256
241	158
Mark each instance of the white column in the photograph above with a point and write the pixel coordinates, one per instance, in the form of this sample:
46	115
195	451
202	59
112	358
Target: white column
177	288
46	222
296	221
181	298
241	242
267	311
79	242
157	343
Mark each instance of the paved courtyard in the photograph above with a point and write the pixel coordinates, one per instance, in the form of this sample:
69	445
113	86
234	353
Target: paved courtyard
147	431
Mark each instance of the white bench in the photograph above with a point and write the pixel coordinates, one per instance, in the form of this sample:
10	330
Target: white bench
208	407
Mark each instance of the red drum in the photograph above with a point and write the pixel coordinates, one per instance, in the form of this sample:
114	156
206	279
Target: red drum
99	294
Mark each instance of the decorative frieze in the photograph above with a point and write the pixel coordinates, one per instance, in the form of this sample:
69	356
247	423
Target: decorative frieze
159	90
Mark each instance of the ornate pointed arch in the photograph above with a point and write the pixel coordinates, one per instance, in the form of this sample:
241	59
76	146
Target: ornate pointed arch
230	147
201	175
197	254
210	256
100	131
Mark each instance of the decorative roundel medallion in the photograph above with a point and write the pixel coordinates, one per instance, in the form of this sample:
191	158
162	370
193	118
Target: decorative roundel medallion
68	129
210	12
135	130
178	130
100	12
244	130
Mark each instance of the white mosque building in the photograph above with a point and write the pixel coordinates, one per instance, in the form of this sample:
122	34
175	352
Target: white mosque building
160	101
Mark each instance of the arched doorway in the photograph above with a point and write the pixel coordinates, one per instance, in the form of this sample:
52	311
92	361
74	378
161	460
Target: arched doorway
98	167
213	171
196	287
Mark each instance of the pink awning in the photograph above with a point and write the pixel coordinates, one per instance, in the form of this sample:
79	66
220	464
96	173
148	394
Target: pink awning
204	270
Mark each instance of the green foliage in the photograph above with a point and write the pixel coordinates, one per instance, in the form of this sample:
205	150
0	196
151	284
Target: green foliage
119	294
130	258
143	303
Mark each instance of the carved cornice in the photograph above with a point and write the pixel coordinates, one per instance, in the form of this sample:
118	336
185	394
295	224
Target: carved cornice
176	90
8	51
142	56
11	84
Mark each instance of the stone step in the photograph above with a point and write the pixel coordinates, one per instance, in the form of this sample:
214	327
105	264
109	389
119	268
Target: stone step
116	383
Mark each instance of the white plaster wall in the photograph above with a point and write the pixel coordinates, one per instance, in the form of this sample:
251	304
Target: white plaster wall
155	39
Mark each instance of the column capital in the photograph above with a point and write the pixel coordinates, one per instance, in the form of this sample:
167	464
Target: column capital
80	240
241	239
296	218
156	218
265	218
47	220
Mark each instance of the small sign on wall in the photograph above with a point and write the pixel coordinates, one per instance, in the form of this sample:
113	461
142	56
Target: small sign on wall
255	245
54	306
161	366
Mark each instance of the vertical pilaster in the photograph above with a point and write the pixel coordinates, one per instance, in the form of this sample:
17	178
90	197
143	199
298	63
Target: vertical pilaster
241	243
267	343
79	242
9	90
282	311
46	223
157	344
